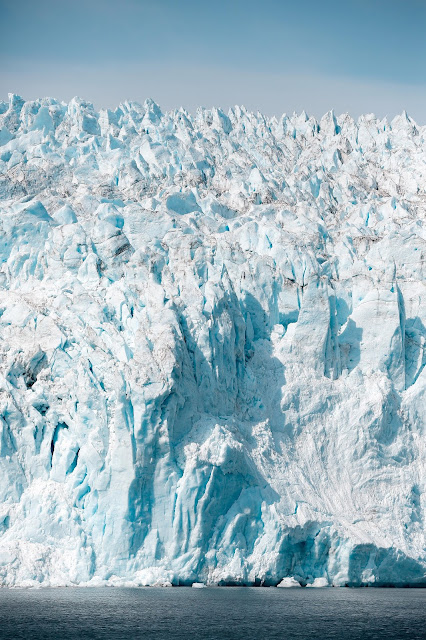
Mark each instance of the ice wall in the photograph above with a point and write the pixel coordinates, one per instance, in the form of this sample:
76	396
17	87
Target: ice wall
212	337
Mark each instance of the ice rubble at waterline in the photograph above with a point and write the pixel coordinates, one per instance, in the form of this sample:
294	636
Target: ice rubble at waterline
212	347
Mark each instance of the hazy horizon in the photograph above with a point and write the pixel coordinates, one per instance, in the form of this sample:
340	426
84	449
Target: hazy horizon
360	57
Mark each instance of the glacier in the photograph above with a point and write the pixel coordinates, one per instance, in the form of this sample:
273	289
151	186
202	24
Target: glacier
213	347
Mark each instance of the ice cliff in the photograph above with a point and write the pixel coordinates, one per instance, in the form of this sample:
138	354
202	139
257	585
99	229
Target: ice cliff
212	337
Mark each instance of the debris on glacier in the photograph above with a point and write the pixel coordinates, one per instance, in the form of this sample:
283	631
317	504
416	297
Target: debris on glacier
212	336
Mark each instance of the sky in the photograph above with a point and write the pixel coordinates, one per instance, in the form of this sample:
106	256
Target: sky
359	56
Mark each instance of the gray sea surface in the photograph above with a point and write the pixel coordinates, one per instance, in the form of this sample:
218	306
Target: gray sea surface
213	613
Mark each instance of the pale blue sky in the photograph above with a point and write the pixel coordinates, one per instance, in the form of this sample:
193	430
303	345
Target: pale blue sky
350	55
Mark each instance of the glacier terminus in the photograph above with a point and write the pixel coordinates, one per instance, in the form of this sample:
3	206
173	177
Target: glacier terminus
213	347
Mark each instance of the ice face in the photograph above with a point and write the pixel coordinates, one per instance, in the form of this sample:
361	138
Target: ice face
212	334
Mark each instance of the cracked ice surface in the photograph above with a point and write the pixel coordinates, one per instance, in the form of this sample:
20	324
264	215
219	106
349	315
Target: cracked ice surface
212	337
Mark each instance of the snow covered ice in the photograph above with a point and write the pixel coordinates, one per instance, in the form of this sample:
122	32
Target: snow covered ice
212	335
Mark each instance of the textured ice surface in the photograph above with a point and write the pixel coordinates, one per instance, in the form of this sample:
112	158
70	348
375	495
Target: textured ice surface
212	335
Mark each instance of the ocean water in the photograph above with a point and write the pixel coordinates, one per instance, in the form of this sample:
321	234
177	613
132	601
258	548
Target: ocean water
213	613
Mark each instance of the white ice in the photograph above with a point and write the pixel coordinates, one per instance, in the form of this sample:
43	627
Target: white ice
212	337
